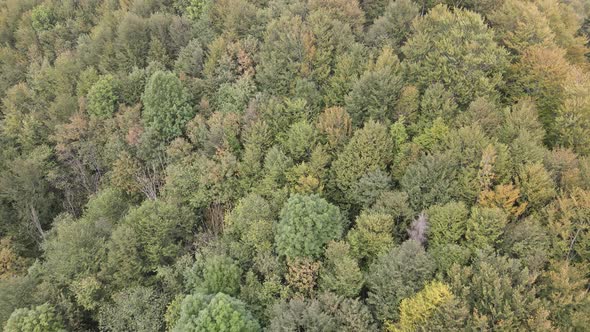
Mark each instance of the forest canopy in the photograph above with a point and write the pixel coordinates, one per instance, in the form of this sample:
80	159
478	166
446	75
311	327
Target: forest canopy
294	165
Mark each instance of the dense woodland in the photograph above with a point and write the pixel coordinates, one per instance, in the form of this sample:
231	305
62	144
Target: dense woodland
294	165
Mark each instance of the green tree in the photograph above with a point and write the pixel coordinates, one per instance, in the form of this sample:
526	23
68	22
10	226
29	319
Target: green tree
138	309
328	312
520	24
42	18
218	313
432	180
306	225
447	223
39	318
340	273
158	232
375	93
372	236
215	274
166	105
485	227
394	25
102	97
441	49
500	294
369	149
398	274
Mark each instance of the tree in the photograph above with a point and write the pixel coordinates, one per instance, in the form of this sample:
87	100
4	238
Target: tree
282	54
521	24
448	223
415	311
536	186
375	93
485	227
190	59
432	180
218	313
306	225
39	318
215	274
440	49
166	105
102	97
569	226
398	274
372	236
500	293
328	312
159	231
368	150
341	273
571	122
136	309
132	42
42	18
394	25
335	125
564	286
25	185
541	74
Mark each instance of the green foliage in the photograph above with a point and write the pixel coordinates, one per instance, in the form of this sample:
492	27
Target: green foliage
300	140
326	313
432	180
375	93
500	293
394	25
161	159
398	274
42	18
485	226
102	97
442	48
447	223
341	273
220	313
166	105
74	249
372	236
136	309
369	150
159	230
306	225
37	319
215	274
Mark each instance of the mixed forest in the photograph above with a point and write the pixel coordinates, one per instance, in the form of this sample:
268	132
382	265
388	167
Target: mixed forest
294	165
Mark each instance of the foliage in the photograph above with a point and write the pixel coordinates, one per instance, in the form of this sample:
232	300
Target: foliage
372	236
305	165
500	293
326	313
368	150
447	223
417	310
220	312
136	309
341	273
102	97
307	224
39	318
166	105
398	274
441	49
